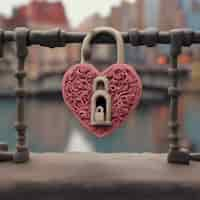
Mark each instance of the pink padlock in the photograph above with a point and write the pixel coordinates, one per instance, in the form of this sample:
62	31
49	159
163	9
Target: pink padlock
101	100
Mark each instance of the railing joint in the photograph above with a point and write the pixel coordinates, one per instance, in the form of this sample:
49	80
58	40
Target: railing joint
174	92
176	37
188	36
151	37
134	37
22	35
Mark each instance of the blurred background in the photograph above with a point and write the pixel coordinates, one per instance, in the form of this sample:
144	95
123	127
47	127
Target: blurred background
51	127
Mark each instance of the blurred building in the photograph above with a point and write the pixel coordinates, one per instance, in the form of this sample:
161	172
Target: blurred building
140	13
151	14
170	15
191	11
42	14
99	52
124	17
163	15
183	14
91	22
147	13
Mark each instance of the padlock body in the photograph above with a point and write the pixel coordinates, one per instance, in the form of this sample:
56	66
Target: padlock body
124	89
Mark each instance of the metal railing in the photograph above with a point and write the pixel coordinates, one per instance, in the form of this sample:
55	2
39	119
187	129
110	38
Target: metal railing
24	38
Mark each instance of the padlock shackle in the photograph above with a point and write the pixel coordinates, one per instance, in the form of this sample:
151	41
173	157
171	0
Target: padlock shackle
86	45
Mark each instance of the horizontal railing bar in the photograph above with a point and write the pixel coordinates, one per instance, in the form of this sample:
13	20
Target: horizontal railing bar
57	38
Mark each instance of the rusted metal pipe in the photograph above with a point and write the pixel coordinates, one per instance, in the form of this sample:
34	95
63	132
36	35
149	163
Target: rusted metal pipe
59	38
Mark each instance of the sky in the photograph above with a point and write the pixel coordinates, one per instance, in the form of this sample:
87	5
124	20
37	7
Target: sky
76	10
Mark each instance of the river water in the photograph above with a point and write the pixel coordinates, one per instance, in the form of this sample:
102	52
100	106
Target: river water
52	128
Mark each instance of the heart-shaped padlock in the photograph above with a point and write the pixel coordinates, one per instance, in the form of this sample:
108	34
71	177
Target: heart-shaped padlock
101	100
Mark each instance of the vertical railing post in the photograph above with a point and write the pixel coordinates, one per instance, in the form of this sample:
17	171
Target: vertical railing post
4	154
175	155
22	153
3	146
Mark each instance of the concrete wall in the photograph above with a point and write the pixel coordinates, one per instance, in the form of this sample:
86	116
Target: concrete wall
99	176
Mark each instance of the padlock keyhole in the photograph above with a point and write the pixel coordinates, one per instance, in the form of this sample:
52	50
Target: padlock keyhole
99	110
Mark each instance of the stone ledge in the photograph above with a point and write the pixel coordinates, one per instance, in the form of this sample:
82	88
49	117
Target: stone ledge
96	176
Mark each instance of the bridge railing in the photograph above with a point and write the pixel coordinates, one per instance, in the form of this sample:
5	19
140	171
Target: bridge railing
24	38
